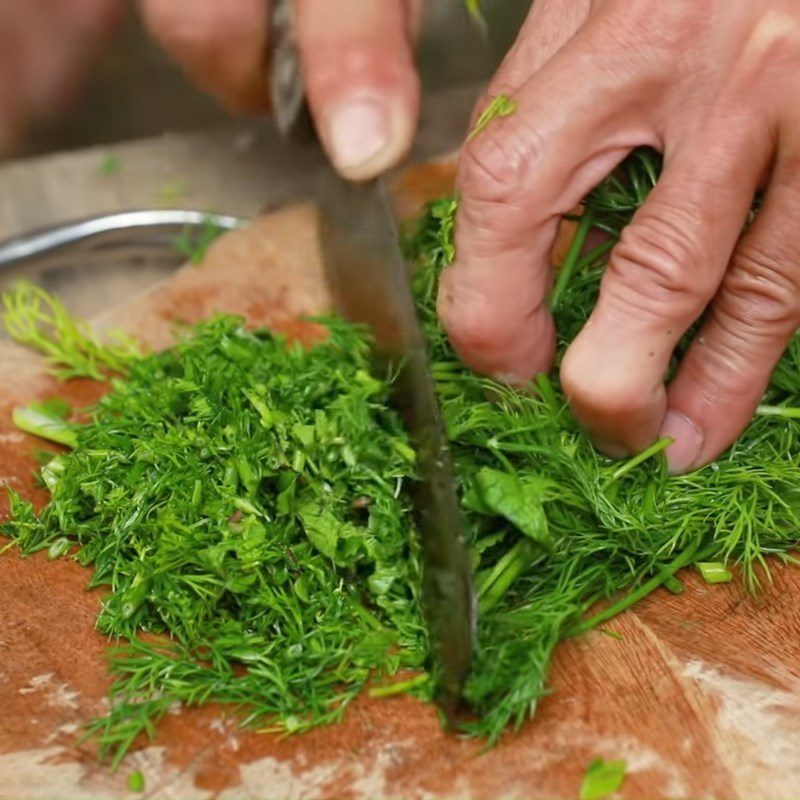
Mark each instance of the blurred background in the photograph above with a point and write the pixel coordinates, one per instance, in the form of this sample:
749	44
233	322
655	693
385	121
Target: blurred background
132	90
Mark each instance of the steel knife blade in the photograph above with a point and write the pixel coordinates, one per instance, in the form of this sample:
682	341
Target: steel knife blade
370	284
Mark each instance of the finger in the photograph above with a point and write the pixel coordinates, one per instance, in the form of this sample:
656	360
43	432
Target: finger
727	368
550	24
666	268
547	28
361	80
222	47
46	49
515	180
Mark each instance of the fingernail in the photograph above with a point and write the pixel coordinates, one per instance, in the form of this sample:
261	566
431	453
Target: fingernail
684	452
357	131
509	379
610	448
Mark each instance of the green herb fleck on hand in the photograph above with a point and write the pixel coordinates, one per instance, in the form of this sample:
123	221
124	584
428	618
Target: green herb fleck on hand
501	106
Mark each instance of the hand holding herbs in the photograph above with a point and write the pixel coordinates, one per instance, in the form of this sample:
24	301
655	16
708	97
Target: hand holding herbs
243	504
712	85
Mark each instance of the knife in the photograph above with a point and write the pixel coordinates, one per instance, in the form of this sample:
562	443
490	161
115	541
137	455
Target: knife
369	282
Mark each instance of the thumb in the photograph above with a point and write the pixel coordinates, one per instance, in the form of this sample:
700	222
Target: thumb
362	84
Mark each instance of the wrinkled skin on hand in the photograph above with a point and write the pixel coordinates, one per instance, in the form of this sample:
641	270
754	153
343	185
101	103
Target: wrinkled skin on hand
45	49
713	85
357	58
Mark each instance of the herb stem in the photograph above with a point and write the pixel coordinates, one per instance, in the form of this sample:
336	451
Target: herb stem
505	572
595	253
686	557
45	426
654	449
545	387
778	411
400	687
573	255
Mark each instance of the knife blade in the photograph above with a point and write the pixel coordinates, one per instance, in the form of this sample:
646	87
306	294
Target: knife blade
370	285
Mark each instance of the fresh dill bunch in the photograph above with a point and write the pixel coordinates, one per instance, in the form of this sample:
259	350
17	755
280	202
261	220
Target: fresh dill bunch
607	531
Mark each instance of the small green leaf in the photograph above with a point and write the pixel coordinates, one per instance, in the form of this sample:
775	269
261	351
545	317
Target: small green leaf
59	547
519	500
714	572
109	165
52	471
321	527
136	782
602	778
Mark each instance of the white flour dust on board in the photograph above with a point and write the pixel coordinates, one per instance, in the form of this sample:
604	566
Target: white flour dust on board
757	730
57	694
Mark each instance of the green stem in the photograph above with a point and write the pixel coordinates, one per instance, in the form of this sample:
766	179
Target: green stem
45	426
571	261
679	562
595	253
546	392
505	572
654	449
778	411
400	687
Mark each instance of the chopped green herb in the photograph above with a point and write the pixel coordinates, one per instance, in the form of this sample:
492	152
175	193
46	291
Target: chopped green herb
194	244
714	572
33	318
136	782
476	14
673	585
109	165
602	778
172	192
48	426
400	687
248	500
501	106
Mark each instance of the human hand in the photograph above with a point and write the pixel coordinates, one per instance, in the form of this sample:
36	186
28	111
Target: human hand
45	49
357	60
714	86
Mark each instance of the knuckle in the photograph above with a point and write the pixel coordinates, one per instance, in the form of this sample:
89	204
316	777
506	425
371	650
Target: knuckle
774	39
495	164
656	261
472	324
725	361
761	290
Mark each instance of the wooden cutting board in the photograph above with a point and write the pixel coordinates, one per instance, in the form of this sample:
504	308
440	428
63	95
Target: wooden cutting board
701	695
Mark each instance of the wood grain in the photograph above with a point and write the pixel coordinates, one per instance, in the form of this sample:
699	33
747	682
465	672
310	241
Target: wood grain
700	694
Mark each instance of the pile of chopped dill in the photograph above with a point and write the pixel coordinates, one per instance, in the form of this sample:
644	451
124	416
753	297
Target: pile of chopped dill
247	500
